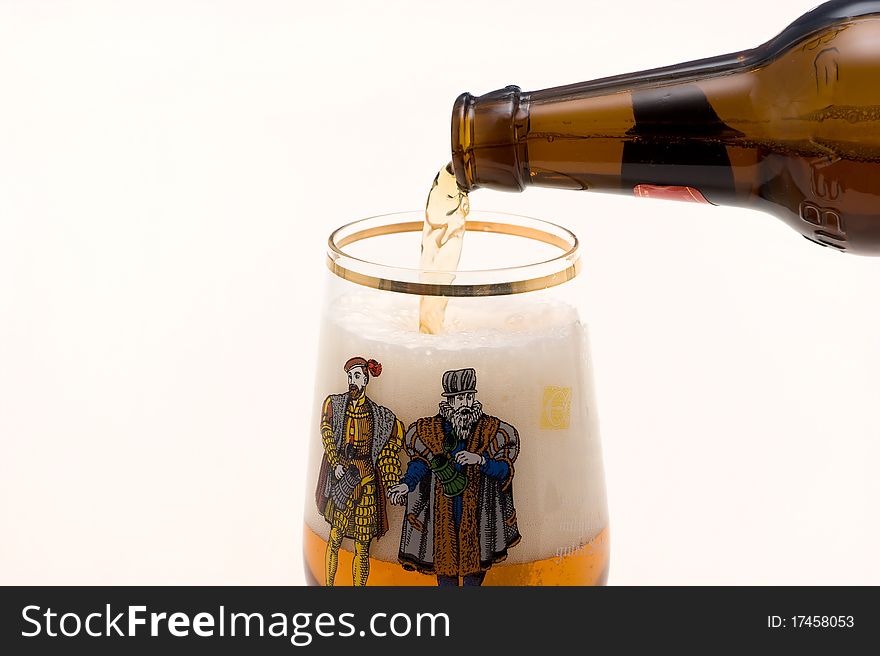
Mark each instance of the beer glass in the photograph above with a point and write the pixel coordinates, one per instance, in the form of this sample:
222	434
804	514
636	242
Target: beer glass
468	457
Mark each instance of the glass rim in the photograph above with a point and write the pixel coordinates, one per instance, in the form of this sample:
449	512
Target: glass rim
497	281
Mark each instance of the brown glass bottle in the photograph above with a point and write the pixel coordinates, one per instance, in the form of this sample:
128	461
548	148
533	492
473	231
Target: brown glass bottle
791	128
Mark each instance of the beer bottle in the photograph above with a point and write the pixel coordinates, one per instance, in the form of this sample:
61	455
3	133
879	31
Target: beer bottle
791	127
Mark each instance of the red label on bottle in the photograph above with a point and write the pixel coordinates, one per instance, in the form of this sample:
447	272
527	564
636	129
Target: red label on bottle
686	194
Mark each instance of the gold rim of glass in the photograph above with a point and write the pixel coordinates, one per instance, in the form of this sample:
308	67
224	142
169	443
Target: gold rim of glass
528	277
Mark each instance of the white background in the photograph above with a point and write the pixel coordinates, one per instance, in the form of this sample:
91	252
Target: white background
169	172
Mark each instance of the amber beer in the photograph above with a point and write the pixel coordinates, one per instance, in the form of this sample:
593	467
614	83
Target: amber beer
585	564
791	127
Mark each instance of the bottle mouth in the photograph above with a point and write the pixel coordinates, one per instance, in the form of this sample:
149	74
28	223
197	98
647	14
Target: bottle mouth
488	140
531	255
462	131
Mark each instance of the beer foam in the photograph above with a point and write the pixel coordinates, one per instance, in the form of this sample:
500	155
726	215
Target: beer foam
534	371
470	323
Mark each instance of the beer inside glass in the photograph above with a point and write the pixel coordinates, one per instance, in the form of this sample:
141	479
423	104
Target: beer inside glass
468	457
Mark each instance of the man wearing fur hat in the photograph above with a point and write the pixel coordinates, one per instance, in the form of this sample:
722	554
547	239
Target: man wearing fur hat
460	518
362	442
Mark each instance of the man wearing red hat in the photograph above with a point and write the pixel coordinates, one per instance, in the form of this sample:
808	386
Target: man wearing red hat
362	442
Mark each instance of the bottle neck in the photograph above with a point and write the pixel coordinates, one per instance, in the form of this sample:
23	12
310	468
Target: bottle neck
594	138
489	140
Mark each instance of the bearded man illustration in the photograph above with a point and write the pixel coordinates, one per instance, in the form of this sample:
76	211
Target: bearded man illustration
460	518
362	442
